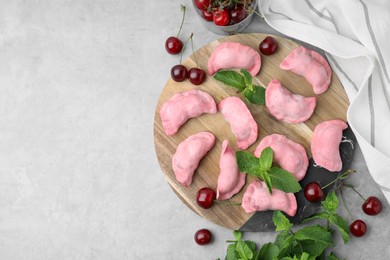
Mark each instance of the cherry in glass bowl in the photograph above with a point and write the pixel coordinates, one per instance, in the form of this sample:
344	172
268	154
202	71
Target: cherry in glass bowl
225	29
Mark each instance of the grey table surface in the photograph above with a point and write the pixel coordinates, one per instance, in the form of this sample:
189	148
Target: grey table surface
79	179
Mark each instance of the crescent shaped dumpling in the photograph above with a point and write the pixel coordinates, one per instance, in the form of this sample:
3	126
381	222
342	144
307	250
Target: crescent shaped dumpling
311	65
258	198
290	155
183	106
286	106
228	55
188	155
241	121
325	144
230	179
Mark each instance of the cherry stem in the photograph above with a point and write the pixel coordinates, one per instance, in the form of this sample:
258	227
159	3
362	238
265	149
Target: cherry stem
193	52
183	9
340	177
344	204
358	193
185	44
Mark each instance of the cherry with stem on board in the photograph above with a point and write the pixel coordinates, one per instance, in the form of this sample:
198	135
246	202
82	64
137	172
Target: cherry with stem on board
205	198
196	75
179	72
173	44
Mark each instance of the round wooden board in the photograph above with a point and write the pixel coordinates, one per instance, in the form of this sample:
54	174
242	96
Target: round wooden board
330	105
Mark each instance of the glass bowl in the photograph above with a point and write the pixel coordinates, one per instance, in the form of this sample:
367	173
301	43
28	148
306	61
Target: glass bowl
229	29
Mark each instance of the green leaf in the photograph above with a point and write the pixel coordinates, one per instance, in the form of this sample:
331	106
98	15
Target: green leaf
237	234
248	163
251	244
341	225
243	250
311	247
284	241
231	78
304	256
266	158
268	251
265	177
321	215
281	222
255	96
316	233
331	202
247	78
283	180
231	253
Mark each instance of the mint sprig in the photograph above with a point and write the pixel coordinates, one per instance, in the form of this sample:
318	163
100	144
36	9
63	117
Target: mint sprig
243	83
262	168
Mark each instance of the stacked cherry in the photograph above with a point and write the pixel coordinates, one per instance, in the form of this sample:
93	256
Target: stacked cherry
224	13
371	206
179	73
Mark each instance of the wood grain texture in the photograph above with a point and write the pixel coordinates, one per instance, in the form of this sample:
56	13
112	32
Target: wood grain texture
330	105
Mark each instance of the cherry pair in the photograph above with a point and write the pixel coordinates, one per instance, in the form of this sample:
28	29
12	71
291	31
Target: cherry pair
180	73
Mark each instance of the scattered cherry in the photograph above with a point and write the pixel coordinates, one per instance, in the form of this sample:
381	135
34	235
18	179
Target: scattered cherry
221	17
196	76
268	46
205	197
313	192
203	237
237	14
173	45
179	73
358	228
202	4
372	206
207	15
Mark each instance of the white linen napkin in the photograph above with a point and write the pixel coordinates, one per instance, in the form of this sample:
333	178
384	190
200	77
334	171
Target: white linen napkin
354	35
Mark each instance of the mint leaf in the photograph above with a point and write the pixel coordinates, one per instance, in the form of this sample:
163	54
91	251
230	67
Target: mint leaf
231	78
247	78
321	215
316	233
267	180
283	180
284	241
255	96
237	234
268	251
341	225
281	222
311	247
266	158
231	253
248	163
331	202
252	245
243	250
304	256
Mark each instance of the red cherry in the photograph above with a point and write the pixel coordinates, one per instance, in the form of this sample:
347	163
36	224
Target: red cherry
358	228
237	14
196	76
268	46
173	45
205	197
372	206
203	237
221	17
179	73
313	192
207	15
202	4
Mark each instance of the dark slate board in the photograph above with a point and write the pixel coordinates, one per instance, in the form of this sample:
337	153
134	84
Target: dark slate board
262	221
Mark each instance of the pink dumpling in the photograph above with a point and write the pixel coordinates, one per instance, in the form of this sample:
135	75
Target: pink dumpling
188	155
241	121
311	65
290	155
288	107
183	106
325	144
230	179
258	198
229	55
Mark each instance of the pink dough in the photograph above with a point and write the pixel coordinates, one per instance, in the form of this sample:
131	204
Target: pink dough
188	155
290	155
183	106
241	121
325	144
311	65
258	198
229	55
288	107
230	179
